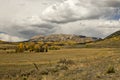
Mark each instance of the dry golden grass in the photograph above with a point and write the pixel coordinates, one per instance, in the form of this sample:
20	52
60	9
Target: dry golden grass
51	56
89	64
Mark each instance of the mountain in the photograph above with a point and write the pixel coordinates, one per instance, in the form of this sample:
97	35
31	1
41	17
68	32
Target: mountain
63	37
112	40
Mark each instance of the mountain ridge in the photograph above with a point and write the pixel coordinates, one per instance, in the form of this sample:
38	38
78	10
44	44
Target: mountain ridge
63	37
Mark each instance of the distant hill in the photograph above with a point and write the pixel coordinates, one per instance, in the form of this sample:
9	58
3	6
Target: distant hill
112	40
63	37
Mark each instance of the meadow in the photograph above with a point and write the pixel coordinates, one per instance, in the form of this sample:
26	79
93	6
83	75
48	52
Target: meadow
64	64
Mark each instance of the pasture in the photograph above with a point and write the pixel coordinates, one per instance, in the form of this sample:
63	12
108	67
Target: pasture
89	64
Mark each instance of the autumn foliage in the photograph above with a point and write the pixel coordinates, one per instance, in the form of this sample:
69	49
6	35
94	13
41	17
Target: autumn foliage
32	47
20	48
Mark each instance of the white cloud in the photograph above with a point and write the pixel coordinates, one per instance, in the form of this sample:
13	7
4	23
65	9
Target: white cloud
73	10
97	28
6	37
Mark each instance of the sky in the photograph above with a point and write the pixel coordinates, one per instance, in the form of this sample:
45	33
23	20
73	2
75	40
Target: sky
22	19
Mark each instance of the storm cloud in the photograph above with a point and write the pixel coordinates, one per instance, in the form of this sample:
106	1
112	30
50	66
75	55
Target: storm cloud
26	18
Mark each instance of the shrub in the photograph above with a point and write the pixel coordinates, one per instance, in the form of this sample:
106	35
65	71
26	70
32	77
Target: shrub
62	67
54	48
50	43
31	46
20	48
45	48
37	48
111	69
50	70
65	61
71	43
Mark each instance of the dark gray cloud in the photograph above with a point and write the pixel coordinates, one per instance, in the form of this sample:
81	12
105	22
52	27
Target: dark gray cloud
106	3
35	29
113	3
46	26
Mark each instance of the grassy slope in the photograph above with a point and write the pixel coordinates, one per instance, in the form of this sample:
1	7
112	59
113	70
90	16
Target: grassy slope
115	34
112	40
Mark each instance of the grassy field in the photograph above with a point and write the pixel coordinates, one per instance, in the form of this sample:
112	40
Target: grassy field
51	56
66	64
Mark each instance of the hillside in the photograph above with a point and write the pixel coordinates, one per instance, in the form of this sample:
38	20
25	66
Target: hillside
116	34
63	37
112	40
